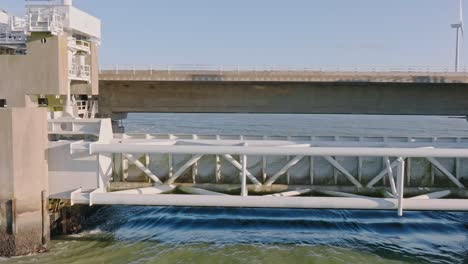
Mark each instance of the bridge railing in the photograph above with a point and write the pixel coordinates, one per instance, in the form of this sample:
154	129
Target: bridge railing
128	68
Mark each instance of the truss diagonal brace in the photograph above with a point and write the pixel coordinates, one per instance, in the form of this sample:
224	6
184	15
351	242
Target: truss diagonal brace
377	178
390	176
348	175
184	167
143	168
283	170
446	172
238	166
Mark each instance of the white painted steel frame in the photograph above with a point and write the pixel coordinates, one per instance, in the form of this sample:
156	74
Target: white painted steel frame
226	149
102	198
106	147
413	152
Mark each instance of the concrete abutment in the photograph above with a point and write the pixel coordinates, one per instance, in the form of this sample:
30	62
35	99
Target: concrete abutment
24	220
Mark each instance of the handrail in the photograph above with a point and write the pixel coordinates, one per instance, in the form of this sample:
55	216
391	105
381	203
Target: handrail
115	69
12	38
83	43
44	19
17	24
79	71
80	44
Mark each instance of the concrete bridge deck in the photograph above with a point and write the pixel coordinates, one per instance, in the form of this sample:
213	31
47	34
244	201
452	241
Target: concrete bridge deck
211	90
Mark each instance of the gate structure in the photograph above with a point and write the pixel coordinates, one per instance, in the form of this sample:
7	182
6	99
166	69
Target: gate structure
401	173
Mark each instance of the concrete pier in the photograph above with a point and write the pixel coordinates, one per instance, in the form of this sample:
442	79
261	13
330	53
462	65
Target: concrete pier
24	221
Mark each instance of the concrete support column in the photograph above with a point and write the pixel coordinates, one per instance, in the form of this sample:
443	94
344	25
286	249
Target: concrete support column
117	118
24	221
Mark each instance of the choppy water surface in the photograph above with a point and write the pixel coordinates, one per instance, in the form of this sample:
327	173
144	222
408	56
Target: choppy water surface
120	234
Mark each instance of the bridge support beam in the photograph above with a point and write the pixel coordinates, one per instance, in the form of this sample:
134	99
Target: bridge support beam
24	220
419	97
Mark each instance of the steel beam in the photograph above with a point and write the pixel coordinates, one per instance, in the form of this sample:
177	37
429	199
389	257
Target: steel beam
274	202
280	151
390	176
439	166
377	178
401	184
143	168
184	167
348	175
283	170
434	195
237	165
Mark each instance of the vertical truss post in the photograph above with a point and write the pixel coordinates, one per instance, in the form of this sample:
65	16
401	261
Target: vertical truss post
218	168
124	168
118	168
382	174
238	166
401	184
457	163
264	164
218	164
170	163
104	171
311	169
288	158
170	159
244	191
311	164
359	168
195	165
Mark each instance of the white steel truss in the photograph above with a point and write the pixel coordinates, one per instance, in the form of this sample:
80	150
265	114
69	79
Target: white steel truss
250	155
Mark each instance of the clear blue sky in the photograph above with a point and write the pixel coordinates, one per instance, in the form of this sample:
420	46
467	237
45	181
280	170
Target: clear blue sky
293	32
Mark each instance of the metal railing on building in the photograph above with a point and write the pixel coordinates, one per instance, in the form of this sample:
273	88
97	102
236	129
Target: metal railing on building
45	19
79	72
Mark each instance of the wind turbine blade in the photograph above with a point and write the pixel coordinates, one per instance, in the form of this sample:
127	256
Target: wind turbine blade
461	12
461	18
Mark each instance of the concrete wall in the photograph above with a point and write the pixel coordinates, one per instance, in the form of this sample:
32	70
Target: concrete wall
23	178
284	97
42	71
70	172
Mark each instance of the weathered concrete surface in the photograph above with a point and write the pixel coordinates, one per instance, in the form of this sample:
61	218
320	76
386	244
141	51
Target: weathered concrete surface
418	98
284	76
23	181
43	71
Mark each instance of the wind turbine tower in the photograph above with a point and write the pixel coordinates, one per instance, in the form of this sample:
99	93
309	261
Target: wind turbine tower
459	28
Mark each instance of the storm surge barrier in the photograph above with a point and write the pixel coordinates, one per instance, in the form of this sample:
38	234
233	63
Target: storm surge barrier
333	172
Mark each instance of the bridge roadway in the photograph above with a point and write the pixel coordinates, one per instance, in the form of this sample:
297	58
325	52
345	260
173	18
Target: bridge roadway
283	91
